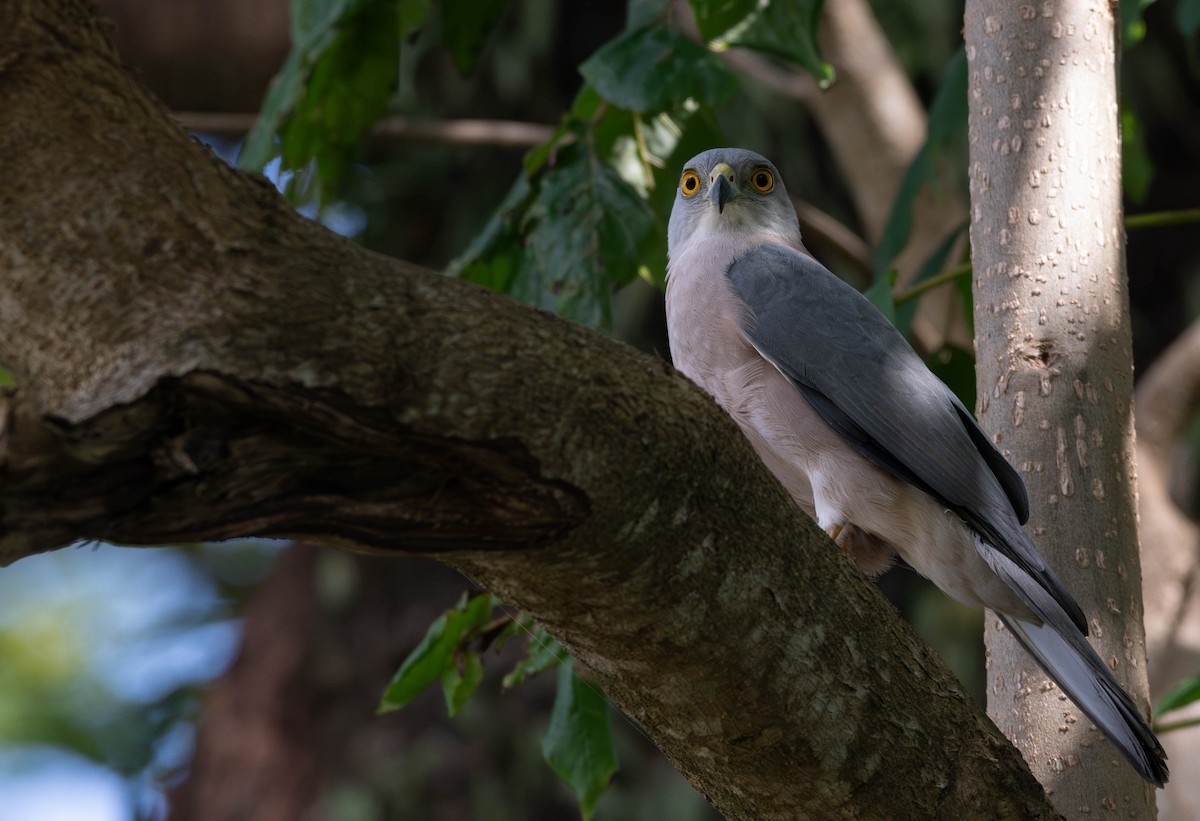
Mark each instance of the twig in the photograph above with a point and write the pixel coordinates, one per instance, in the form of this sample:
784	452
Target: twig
1162	218
502	133
1176	725
933	282
643	152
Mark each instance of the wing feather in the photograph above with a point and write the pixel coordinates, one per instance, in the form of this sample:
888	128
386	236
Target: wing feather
864	379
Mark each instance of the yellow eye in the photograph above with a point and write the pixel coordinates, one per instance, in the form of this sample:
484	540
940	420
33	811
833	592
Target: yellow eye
762	180
690	183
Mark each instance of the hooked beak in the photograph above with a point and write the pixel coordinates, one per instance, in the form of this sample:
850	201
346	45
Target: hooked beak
720	187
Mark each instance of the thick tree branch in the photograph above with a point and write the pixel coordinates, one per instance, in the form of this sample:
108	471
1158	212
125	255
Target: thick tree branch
194	360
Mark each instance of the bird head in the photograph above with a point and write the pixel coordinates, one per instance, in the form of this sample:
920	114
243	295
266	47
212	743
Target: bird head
730	190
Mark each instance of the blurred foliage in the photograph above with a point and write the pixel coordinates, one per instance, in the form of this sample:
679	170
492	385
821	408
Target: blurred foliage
947	121
562	228
587	212
1133	27
80	633
1137	169
444	655
924	35
585	217
578	744
335	84
784	28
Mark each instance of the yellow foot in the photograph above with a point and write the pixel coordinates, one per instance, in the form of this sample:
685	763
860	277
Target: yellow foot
834	532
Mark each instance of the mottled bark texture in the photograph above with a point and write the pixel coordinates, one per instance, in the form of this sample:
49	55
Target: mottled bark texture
1054	360
195	361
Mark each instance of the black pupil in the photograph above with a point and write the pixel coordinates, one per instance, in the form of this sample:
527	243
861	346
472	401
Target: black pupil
690	183
761	180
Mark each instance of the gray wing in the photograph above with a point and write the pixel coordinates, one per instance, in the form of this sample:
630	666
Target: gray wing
864	379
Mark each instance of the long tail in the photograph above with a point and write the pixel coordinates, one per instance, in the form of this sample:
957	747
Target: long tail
1076	668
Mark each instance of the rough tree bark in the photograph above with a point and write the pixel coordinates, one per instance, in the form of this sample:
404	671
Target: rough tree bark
195	361
1054	365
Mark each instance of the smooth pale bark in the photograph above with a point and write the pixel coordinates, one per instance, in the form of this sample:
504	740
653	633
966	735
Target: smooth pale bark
1054	360
195	361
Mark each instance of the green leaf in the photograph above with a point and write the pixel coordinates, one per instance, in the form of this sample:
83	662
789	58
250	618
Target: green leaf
6	379
461	680
1184	694
670	139
599	191
544	652
565	240
348	89
466	25
589	228
283	93
947	118
334	85
1137	169
783	28
518	625
653	69
493	257
313	20
434	657
578	744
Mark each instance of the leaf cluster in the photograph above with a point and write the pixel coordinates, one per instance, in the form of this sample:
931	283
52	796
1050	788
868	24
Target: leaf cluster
577	744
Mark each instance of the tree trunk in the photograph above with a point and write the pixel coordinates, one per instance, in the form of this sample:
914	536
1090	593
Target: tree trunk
195	361
1054	360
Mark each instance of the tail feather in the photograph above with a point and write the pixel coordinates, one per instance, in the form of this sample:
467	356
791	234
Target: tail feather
1083	676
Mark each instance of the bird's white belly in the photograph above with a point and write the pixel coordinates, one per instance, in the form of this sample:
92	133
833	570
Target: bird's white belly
707	345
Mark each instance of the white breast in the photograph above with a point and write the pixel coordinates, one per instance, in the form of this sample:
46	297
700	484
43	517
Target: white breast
704	320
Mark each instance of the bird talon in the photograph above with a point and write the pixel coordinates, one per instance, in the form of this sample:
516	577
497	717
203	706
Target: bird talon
834	532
